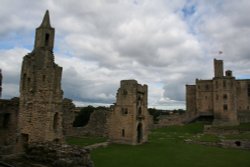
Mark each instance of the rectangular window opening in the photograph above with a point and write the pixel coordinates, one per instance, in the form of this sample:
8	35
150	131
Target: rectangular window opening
225	107
123	132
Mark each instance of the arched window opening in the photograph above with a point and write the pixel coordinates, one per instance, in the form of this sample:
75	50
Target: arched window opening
139	133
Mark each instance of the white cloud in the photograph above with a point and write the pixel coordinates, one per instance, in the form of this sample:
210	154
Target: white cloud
164	43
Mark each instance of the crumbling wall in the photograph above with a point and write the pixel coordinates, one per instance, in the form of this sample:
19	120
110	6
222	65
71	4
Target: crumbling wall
8	124
167	120
58	155
69	113
97	125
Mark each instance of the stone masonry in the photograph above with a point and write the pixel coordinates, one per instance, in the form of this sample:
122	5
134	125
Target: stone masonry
223	97
40	114
8	125
128	122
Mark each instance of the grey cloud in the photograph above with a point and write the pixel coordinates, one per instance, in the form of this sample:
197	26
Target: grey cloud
99	43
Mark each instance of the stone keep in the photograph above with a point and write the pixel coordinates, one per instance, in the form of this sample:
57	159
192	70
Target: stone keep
224	97
128	122
40	117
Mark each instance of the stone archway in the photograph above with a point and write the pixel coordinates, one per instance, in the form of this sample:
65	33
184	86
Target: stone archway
139	133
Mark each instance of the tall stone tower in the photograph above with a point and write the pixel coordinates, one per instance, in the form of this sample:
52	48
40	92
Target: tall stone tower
218	68
1	78
128	123
224	96
40	115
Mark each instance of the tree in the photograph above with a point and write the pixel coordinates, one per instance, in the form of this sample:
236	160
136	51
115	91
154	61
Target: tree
83	117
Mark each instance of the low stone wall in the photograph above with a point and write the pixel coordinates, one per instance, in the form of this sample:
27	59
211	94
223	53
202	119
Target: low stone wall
239	144
209	129
168	120
58	155
244	116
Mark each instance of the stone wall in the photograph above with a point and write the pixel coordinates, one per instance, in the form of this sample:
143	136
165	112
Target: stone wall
167	120
97	125
244	116
50	155
69	114
8	124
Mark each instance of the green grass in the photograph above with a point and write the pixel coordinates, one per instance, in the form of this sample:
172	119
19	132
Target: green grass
166	148
85	141
207	138
242	136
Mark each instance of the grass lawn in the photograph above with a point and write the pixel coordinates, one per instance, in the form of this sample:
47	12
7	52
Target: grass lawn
167	149
84	141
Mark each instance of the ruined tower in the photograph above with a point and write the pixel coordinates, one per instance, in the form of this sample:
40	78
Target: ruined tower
128	121
40	115
1	78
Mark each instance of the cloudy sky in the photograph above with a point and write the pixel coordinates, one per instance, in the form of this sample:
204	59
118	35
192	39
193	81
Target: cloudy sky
165	44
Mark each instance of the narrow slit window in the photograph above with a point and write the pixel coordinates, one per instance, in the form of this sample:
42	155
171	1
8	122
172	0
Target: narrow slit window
248	89
123	132
44	77
46	39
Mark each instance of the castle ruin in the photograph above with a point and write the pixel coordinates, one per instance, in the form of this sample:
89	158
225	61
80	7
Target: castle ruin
128	122
40	108
224	98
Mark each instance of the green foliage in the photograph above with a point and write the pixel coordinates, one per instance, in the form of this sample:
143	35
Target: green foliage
180	111
155	113
82	118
